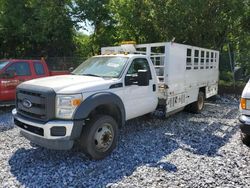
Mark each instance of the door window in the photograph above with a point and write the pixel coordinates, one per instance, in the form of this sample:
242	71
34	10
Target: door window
20	68
39	69
3	64
139	64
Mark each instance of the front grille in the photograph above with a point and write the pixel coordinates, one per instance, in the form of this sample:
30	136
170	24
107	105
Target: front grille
36	130
30	114
42	102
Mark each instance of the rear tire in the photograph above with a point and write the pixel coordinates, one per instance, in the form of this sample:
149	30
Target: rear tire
245	139
99	137
198	106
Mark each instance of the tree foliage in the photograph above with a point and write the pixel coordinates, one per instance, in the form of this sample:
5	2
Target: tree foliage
216	24
83	45
100	17
33	27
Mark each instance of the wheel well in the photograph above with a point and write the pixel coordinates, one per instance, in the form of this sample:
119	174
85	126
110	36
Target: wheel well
108	109
203	89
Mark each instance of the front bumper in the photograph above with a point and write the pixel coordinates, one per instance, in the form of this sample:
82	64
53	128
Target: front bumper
56	134
245	124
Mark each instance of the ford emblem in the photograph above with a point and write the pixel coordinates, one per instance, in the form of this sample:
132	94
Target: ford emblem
26	103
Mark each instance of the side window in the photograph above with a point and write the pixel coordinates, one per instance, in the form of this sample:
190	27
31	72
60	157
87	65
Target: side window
196	59
202	59
215	60
207	60
39	69
20	68
189	59
139	64
211	60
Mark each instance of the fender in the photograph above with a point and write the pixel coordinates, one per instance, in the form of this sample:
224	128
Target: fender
95	100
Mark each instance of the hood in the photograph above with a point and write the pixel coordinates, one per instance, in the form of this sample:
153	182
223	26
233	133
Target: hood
246	91
68	84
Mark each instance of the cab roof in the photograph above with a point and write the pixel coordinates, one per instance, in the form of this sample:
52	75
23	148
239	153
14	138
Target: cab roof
121	55
16	60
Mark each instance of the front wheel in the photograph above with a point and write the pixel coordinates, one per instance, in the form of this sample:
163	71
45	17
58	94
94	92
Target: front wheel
99	137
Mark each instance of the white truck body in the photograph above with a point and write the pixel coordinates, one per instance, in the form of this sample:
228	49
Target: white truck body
181	70
124	82
245	114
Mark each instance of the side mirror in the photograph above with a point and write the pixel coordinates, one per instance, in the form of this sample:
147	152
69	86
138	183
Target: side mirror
71	69
143	78
130	80
10	74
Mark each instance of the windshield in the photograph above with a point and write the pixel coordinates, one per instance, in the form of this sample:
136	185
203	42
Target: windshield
102	67
3	64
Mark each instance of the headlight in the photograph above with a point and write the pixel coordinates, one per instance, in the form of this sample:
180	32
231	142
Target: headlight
245	104
66	105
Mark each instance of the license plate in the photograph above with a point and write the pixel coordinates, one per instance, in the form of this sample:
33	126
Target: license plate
248	104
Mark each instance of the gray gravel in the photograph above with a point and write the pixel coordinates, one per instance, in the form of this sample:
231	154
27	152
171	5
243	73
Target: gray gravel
185	150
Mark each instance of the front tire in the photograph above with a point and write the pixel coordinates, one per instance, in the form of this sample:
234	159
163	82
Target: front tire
99	137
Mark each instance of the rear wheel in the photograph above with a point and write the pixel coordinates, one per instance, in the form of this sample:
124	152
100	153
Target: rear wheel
245	139
99	137
198	105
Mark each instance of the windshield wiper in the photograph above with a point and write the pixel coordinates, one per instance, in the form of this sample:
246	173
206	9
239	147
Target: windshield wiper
91	75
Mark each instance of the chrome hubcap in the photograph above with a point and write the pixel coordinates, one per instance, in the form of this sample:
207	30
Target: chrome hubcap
104	137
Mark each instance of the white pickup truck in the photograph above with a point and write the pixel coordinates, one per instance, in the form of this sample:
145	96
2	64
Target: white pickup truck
245	114
127	81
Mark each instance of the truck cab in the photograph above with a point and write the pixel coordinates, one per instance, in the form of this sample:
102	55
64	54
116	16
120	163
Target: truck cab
245	114
15	71
99	96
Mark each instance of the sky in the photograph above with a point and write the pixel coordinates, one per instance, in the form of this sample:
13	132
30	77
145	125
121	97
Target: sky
89	29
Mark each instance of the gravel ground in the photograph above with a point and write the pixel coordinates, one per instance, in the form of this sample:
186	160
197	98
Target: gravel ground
184	150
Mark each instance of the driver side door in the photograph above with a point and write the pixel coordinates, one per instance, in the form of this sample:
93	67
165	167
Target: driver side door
139	100
22	73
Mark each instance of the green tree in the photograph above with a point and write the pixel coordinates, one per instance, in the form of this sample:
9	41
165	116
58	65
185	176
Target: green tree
33	28
214	24
83	45
242	39
135	20
97	12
